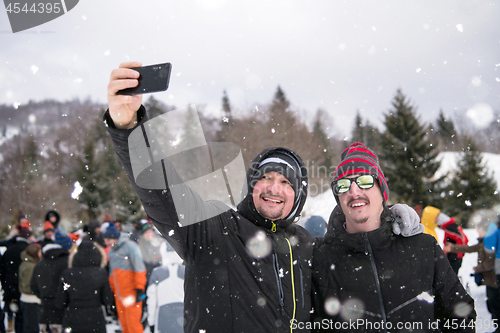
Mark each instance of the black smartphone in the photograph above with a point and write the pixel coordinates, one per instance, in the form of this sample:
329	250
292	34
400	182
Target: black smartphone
153	78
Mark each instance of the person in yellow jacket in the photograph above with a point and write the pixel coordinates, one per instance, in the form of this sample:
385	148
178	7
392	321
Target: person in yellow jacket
429	215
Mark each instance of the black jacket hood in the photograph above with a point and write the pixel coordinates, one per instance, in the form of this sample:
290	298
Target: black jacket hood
53	213
247	207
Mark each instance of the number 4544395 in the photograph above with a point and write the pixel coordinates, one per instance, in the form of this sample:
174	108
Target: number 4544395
17	7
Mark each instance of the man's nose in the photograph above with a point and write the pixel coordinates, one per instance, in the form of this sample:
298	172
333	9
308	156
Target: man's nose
355	188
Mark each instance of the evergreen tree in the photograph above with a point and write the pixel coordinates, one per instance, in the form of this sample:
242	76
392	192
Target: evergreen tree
154	107
472	186
91	178
30	158
280	99
365	133
408	158
446	131
226	108
224	133
319	133
279	107
358	130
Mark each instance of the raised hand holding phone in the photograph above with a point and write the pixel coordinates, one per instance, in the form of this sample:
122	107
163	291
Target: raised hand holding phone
123	108
151	79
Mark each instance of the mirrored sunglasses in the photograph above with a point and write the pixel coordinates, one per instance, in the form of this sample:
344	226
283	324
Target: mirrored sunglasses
343	185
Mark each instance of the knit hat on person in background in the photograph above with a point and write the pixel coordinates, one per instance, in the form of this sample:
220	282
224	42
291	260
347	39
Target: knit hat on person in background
87	255
24	230
282	163
145	227
63	240
20	216
111	232
48	227
107	218
358	159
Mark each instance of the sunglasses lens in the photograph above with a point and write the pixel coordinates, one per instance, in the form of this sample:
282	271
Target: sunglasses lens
342	185
365	181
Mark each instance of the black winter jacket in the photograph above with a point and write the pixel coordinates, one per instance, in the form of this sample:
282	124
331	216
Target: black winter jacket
45	282
83	288
11	260
226	289
378	277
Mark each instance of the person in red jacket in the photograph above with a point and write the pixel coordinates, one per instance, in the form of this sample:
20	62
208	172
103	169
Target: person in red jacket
454	234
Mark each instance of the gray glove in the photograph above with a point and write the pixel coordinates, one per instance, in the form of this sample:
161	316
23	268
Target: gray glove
406	221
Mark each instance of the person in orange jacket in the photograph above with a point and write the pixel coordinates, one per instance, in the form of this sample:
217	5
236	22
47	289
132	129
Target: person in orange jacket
127	278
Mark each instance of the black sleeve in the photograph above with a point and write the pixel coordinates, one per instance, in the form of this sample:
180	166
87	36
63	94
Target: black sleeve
159	204
106	293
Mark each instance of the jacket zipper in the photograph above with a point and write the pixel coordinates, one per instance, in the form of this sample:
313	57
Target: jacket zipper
278	282
377	281
301	281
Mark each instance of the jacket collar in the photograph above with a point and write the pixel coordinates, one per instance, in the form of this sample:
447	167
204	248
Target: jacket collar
337	234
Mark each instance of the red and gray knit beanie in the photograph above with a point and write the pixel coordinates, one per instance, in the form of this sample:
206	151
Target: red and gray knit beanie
358	159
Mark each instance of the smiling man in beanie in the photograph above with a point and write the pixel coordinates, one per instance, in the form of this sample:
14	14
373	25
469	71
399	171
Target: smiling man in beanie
364	273
247	270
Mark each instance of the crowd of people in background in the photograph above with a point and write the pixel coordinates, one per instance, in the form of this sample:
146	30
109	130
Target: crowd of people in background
81	280
455	245
75	280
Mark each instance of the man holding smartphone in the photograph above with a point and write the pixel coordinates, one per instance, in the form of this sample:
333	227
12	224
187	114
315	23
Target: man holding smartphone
227	289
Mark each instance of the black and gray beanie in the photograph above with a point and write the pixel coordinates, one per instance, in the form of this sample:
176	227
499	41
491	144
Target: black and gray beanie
282	163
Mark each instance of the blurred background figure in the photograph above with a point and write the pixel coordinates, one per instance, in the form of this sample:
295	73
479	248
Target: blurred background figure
118	225
84	289
11	260
48	234
166	293
485	269
53	217
29	302
428	219
453	234
92	231
432	217
492	246
316	225
45	281
149	244
127	278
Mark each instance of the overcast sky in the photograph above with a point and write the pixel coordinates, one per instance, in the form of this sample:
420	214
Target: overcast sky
341	56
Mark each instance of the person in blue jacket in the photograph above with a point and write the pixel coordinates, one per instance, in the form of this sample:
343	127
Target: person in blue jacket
492	245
